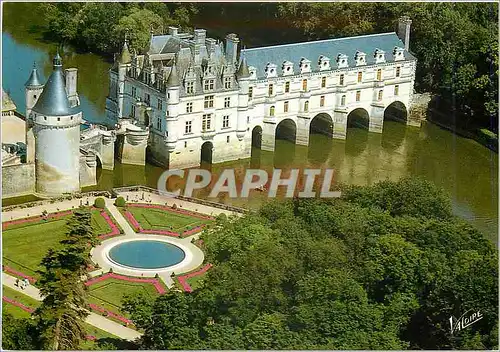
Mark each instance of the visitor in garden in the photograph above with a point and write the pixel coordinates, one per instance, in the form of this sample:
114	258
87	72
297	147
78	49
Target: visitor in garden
17	282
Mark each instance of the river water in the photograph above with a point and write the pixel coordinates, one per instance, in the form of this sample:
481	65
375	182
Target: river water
465	169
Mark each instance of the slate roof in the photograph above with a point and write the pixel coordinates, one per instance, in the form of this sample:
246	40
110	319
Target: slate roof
260	57
34	79
53	101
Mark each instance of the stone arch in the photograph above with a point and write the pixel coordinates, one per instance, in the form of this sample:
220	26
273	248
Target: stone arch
321	124
206	152
286	129
358	118
257	137
396	111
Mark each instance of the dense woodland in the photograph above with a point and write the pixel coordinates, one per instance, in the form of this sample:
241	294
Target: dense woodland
456	43
384	267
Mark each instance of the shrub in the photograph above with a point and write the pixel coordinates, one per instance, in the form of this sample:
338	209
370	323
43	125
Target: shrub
120	202
174	206
111	270
157	276
99	203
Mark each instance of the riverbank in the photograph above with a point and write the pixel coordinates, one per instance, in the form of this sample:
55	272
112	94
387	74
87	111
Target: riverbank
481	135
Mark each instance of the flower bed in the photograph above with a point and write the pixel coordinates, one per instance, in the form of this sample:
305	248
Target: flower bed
18	304
110	314
35	218
18	274
155	282
115	231
183	278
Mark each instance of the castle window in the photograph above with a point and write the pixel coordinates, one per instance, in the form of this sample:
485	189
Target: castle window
250	93
322	101
342	101
304	85
133	111
209	101
379	74
58	119
71	117
227	139
190	87
160	104
271	111
158	124
147	98
45	118
285	106
168	95
287	87
227	102
306	106
227	82
134	92
188	128
225	121
189	107
270	90
398	71
380	93
323	82
396	89
248	119
360	77
185	144
341	80
208	85
206	122
358	95
34	96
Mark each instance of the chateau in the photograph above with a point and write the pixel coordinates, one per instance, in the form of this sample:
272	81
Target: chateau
190	98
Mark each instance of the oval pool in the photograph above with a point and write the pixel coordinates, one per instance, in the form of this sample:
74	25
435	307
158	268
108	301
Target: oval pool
144	254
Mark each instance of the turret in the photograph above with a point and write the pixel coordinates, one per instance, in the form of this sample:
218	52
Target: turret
124	63
57	137
173	88
33	89
243	76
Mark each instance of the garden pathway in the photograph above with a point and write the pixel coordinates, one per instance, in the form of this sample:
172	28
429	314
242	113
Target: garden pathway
93	319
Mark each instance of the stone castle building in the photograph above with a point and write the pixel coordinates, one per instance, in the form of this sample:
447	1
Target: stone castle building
190	98
54	157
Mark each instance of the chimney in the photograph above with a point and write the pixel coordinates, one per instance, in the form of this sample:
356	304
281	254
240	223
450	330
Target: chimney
173	31
199	36
232	48
404	24
71	75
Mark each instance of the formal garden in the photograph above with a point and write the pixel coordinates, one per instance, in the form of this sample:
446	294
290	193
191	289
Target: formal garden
26	241
164	220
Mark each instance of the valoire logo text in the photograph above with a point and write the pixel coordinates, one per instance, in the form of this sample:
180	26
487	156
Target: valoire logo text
467	319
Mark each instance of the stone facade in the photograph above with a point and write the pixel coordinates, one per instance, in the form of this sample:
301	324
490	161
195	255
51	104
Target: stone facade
196	102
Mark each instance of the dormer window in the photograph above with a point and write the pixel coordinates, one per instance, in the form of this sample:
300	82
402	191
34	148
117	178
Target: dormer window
287	68
379	56
253	72
342	61
360	58
208	85
227	82
305	65
190	87
324	63
270	70
398	53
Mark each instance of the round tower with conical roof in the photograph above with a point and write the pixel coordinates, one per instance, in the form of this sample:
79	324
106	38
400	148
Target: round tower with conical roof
173	90
243	76
56	127
32	91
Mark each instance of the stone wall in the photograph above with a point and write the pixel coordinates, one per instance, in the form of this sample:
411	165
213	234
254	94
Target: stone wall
18	180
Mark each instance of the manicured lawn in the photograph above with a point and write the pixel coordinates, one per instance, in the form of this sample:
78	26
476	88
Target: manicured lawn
25	245
30	302
196	281
110	293
158	219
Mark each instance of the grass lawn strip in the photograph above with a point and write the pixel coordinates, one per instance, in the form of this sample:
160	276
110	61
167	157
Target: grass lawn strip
93	333
26	243
183	279
164	220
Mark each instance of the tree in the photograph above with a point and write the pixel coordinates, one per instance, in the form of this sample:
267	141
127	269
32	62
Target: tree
60	317
18	334
139	24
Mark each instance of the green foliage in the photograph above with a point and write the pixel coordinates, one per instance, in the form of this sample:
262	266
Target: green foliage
18	334
456	44
120	202
60	317
99	203
376	269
